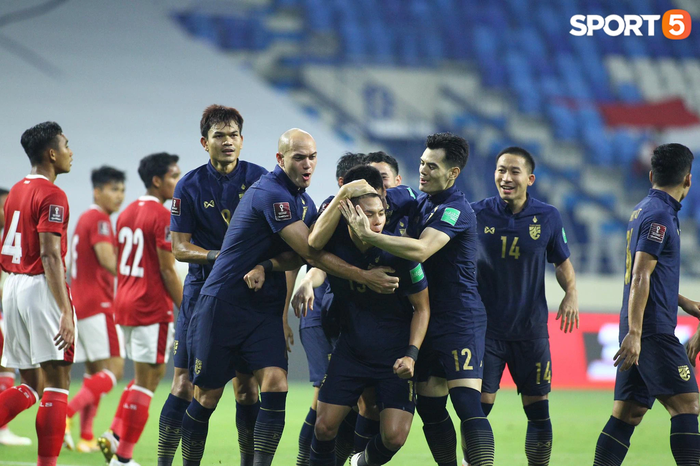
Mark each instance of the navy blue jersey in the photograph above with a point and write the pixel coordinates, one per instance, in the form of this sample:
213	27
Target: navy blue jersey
203	203
653	228
271	204
451	271
373	325
396	216
513	255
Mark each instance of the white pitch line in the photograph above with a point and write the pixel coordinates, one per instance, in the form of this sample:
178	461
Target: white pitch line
23	463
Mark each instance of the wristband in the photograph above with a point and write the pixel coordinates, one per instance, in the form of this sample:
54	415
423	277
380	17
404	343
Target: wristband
211	256
266	265
412	352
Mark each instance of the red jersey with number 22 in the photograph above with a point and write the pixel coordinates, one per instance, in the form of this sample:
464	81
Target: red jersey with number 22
142	228
35	205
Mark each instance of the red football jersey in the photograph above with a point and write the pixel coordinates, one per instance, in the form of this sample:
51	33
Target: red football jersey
92	284
35	205
142	228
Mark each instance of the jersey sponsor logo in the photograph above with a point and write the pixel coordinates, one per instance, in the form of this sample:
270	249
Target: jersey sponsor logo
535	231
175	207
56	213
450	216
657	233
417	274
167	234
103	228
282	211
489	230
684	372
208	204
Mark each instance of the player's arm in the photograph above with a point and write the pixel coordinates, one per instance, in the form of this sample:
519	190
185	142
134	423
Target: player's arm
291	278
50	253
106	256
173	286
322	230
644	265
184	251
285	262
568	309
296	235
404	367
689	306
303	300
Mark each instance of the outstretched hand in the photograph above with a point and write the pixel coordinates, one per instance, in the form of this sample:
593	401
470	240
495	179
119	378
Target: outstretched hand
355	218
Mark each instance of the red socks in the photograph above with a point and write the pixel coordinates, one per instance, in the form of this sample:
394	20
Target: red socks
15	400
134	419
118	416
93	388
51	425
7	380
87	416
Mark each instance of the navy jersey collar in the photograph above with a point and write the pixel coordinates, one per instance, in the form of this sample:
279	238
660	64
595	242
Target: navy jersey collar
442	196
667	198
503	205
284	179
213	172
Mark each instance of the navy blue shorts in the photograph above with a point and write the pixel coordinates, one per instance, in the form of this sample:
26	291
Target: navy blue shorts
318	352
454	354
222	338
529	362
180	358
664	369
348	377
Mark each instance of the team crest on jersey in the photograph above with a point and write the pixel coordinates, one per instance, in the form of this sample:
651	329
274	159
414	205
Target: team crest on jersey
103	228
56	213
282	211
535	231
684	372
197	366
175	207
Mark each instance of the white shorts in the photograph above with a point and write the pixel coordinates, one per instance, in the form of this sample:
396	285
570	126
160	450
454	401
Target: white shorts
32	318
149	343
100	339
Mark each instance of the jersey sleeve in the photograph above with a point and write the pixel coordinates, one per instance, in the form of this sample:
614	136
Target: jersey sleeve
53	212
401	200
311	214
182	213
325	204
412	278
278	208
162	231
557	248
653	233
452	219
101	232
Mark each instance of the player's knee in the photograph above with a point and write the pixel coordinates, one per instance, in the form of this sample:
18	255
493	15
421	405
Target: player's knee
323	430
182	387
394	437
369	411
248	397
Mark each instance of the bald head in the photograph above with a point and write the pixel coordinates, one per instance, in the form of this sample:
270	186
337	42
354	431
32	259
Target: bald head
296	155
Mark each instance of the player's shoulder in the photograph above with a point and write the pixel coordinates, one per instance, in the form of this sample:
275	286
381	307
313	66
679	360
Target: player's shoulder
484	205
93	214
193	178
325	203
542	208
253	171
401	192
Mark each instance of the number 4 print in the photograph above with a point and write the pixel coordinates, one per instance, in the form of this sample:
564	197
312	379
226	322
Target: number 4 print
13	240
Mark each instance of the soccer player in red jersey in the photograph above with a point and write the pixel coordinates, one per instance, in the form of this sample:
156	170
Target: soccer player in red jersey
7	376
39	316
93	270
147	287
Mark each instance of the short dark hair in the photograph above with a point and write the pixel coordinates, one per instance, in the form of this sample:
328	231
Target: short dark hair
38	138
382	157
155	165
367	173
4	191
346	162
216	114
520	152
456	148
105	174
670	163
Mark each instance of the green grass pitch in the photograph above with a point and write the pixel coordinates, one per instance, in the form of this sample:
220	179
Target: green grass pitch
577	417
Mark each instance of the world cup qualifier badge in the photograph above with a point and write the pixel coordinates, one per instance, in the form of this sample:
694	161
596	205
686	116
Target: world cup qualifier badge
103	228
56	213
175	207
282	211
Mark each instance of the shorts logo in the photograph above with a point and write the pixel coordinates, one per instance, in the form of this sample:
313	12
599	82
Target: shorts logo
282	211
56	213
535	231
450	216
417	274
197	366
684	372
657	232
175	207
175	343
103	228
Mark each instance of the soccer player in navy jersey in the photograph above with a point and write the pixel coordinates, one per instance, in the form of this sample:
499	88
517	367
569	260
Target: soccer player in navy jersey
236	322
518	235
378	344
653	363
203	203
442	236
389	168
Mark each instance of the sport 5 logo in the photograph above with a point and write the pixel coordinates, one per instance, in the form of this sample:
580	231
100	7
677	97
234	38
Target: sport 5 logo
675	24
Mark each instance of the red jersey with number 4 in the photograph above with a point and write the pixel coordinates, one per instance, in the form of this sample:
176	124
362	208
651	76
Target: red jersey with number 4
142	228
35	205
92	284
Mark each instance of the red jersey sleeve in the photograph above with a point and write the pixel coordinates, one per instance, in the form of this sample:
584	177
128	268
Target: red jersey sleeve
53	212
162	226
101	231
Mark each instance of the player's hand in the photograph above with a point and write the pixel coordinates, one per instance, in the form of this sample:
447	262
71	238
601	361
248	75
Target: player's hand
288	337
355	218
403	367
303	299
379	280
255	278
355	188
692	347
568	312
628	354
66	331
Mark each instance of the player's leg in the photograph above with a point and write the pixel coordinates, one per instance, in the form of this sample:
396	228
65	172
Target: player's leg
367	423
51	416
19	398
270	422
395	424
245	389
306	434
328	421
7	380
685	441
